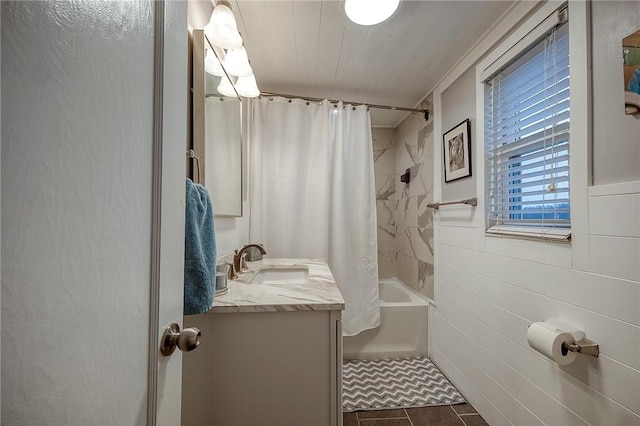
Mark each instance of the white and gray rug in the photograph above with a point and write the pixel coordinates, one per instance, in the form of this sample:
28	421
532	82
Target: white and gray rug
395	383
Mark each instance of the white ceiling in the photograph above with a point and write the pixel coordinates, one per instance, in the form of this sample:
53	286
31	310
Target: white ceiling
310	48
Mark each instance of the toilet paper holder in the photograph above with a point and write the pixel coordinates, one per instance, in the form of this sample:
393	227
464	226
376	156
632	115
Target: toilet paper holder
584	346
581	345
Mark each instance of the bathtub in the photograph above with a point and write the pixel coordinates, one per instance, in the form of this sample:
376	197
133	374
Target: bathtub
403	326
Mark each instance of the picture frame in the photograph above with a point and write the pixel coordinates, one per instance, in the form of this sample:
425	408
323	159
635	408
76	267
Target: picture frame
631	70
457	152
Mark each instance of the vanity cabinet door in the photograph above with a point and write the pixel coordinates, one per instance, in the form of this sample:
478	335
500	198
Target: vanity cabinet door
264	368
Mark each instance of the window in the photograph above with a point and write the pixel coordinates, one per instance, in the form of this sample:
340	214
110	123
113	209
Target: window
527	141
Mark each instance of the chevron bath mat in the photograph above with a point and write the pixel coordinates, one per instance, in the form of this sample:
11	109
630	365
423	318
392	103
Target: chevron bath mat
395	383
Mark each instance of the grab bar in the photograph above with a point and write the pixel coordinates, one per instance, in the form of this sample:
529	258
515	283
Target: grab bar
470	201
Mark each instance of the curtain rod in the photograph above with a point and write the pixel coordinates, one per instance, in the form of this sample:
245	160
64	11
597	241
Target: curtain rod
388	107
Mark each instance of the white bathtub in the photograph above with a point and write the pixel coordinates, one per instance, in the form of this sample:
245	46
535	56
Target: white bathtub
403	326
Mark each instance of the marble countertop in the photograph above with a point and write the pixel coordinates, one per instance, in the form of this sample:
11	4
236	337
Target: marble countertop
320	293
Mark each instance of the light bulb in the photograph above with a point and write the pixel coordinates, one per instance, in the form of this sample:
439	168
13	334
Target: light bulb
212	64
370	12
236	62
222	29
226	88
247	86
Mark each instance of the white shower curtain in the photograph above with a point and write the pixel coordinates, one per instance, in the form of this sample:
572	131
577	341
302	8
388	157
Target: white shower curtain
313	195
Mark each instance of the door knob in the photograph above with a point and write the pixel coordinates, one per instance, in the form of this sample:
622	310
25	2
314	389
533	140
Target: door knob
186	341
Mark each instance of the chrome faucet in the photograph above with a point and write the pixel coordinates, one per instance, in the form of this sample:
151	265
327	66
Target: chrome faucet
238	257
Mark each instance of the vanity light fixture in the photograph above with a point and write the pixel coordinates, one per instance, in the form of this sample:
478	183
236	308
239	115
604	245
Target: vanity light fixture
222	29
212	64
247	86
236	62
226	88
370	12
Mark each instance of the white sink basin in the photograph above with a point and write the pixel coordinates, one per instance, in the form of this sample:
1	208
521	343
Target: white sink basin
281	275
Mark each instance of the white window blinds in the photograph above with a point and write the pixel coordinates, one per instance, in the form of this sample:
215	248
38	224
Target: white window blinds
527	141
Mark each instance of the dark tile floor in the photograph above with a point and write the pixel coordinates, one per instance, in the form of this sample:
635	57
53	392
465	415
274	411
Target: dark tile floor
444	415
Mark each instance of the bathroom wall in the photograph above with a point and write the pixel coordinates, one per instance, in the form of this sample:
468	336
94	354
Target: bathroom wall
386	201
405	225
232	232
618	159
488	290
414	220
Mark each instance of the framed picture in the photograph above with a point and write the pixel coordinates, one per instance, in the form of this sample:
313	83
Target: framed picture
457	152
631	56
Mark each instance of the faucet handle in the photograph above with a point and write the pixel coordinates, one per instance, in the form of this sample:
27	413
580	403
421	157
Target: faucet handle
243	263
232	275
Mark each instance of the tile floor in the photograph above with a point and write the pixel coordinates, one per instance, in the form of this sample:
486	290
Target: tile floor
444	415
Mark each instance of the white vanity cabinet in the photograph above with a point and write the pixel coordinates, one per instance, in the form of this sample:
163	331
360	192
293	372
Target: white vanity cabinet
264	368
269	355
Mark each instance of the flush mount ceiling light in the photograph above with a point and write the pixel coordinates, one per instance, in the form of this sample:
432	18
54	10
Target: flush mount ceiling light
370	12
222	29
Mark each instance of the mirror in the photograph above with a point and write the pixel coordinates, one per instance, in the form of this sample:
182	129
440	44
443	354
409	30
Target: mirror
217	130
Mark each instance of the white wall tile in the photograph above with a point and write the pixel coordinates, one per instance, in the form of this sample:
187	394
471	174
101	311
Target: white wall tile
387	264
386	238
615	215
615	256
411	213
490	413
401	212
465	359
407	268
386	212
385	187
563	390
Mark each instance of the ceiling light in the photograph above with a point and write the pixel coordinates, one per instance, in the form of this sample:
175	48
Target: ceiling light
247	86
226	88
222	29
212	64
370	12
236	62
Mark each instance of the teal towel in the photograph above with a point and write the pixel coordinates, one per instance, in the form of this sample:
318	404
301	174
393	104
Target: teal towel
199	251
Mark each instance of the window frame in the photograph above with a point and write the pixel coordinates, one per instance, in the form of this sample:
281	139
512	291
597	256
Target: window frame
506	53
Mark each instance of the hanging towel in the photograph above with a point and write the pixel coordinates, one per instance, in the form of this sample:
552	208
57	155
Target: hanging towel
199	251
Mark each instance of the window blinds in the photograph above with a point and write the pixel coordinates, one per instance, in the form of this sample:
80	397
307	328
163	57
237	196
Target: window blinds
527	141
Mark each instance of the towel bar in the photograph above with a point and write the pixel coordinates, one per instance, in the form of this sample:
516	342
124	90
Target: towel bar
470	201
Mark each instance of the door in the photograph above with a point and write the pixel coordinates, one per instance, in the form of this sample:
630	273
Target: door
171	24
77	238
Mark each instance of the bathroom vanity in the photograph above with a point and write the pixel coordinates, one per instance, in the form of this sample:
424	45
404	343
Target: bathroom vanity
271	350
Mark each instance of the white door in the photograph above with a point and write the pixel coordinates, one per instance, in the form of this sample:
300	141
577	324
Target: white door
77	178
171	250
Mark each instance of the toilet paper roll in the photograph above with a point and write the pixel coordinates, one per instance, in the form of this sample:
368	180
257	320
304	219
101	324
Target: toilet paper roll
548	341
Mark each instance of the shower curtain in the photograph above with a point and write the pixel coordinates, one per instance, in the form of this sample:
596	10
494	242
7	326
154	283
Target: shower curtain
313	194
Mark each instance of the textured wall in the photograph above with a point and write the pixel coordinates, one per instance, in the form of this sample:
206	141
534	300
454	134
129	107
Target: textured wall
77	83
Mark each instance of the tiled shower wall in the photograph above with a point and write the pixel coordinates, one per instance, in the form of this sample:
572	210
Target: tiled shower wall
386	202
405	224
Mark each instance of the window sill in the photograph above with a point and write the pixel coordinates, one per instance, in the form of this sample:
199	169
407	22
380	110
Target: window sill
554	235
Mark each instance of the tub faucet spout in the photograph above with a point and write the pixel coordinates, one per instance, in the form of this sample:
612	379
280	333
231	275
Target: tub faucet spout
238	256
